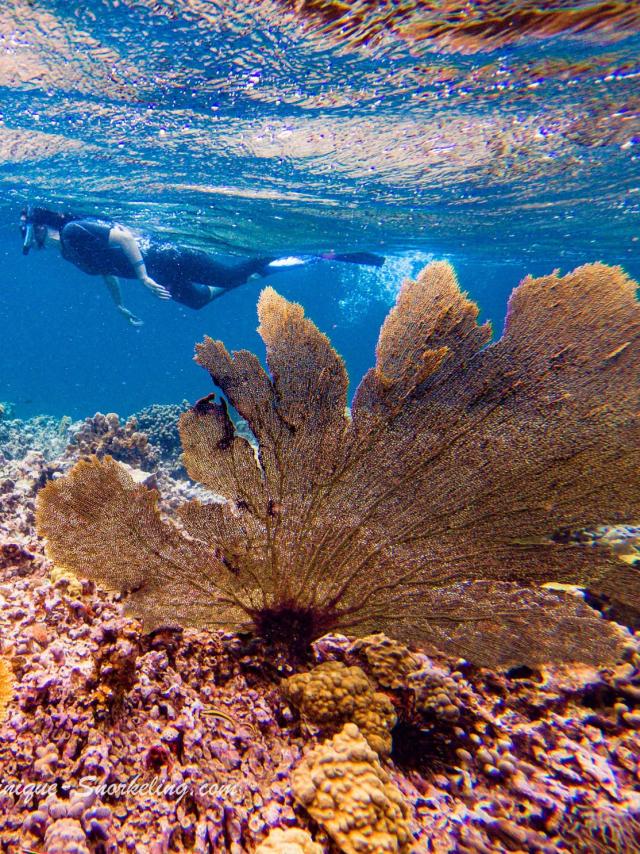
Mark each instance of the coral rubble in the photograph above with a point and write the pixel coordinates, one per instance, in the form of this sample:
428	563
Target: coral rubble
436	512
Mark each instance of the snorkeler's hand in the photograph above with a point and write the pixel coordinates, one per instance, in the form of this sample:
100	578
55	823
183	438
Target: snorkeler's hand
157	290
133	320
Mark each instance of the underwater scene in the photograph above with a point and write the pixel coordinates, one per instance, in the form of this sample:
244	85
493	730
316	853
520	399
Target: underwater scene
320	427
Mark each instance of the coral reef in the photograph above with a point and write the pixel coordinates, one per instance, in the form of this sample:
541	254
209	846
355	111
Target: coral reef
6	409
538	760
387	660
21	478
609	829
66	836
13	554
19	482
44	434
345	789
159	422
332	694
427	693
437	693
217	784
66	579
436	512
104	435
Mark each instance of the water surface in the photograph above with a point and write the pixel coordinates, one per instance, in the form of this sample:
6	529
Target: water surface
504	136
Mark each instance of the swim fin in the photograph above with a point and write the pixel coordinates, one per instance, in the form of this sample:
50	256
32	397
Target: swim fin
366	258
369	259
290	261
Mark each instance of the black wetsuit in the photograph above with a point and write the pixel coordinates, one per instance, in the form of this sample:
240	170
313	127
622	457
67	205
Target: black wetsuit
185	273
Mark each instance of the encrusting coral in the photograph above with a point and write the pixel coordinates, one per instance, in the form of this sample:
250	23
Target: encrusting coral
332	694
6	687
63	576
293	840
435	513
388	661
346	790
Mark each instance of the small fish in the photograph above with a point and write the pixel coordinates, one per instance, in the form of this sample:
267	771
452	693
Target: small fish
217	713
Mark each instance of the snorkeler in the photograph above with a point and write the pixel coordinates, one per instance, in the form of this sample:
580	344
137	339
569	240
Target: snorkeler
102	247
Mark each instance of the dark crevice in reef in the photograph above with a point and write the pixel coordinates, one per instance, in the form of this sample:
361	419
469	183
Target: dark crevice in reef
600	697
522	672
292	629
166	638
614	611
421	749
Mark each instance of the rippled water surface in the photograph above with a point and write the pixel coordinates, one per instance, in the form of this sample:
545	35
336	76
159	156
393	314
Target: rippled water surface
274	122
496	132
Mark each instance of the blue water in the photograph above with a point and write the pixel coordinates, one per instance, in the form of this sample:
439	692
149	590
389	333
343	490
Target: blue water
253	130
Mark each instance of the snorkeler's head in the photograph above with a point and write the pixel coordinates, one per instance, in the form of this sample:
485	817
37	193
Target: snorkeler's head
34	222
28	236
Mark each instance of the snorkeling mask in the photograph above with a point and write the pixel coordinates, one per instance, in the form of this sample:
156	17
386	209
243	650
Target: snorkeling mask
27	230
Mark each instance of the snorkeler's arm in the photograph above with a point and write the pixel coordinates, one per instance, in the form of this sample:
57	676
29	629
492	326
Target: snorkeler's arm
113	286
122	237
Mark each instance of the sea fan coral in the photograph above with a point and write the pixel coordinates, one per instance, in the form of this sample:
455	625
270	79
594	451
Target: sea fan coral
434	513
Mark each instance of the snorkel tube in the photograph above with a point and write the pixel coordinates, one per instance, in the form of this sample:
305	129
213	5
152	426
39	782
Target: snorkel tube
28	238
26	229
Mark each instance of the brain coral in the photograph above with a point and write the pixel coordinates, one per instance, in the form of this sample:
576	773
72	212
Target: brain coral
333	694
434	512
345	789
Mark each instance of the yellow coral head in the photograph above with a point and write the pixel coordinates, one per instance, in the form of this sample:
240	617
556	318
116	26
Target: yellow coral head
6	687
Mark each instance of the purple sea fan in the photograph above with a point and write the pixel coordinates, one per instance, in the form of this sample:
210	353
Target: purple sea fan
435	513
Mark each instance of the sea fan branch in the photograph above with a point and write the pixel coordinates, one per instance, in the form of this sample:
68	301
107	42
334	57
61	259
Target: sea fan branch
435	513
